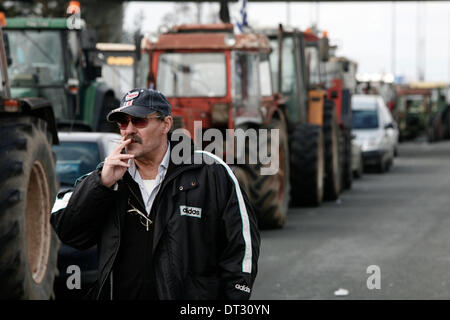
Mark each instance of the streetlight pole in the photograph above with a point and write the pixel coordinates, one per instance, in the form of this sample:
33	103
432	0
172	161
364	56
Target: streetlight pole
394	39
288	13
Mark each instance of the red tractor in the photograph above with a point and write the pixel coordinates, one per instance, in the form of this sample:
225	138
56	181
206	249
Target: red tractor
223	79
341	84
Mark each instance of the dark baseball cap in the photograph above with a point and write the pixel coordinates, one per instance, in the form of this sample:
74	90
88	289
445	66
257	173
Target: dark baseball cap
140	103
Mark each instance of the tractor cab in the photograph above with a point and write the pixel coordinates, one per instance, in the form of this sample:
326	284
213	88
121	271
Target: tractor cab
41	65
300	73
223	79
290	72
212	75
56	59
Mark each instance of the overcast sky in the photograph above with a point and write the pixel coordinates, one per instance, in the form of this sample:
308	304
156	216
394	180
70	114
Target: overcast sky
363	31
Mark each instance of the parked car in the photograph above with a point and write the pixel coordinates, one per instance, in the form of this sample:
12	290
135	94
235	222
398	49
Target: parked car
78	154
376	131
357	160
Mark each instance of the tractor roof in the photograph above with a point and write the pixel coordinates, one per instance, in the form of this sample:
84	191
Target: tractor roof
272	32
39	23
209	37
110	46
405	90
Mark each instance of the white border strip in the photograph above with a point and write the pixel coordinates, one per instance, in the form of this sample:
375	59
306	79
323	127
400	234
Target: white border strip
247	261
61	203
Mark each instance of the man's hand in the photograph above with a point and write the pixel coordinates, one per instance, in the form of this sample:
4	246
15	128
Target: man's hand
115	165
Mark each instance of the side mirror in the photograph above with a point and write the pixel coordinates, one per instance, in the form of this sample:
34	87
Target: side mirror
88	39
389	126
334	94
324	49
93	65
353	136
346	66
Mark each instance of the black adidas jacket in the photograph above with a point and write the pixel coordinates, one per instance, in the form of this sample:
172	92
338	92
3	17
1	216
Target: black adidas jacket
207	254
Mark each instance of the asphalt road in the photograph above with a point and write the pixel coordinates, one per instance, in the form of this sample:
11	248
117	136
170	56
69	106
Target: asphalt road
398	221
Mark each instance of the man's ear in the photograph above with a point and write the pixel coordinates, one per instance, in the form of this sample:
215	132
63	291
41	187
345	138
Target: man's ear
168	121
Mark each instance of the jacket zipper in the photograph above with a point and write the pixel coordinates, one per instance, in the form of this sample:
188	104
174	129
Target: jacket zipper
111	273
111	282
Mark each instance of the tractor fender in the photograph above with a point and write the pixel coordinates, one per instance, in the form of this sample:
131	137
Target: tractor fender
41	108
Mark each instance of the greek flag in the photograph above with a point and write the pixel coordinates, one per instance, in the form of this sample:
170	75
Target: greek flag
242	22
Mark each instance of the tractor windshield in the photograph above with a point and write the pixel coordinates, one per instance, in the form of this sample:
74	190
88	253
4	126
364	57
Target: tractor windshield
313	65
192	74
118	72
37	58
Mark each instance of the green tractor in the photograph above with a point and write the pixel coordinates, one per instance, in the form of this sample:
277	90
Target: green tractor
28	186
56	58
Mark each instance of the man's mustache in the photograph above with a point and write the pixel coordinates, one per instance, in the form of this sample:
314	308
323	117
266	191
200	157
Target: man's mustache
134	138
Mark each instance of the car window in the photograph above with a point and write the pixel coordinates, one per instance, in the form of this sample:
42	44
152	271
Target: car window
75	159
365	119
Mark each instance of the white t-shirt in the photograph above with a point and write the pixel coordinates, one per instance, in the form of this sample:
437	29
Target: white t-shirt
149	185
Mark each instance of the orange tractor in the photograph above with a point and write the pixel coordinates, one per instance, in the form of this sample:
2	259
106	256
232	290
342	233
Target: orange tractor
223	79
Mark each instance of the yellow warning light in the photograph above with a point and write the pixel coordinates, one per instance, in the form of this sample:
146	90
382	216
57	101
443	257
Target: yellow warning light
120	61
308	30
2	19
74	7
325	34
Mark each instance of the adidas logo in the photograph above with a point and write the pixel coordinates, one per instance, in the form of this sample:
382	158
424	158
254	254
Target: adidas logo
191	211
242	288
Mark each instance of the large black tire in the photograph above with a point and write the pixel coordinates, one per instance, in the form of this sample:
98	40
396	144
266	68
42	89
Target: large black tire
307	165
28	186
347	174
430	130
359	171
341	159
269	194
446	122
435	130
331	133
109	103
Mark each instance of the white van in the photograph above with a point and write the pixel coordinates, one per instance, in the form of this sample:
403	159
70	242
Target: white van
375	130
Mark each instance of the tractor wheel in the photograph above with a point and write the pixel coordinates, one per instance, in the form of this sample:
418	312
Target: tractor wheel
28	244
341	159
430	130
269	194
446	123
307	165
438	127
331	135
347	174
109	103
359	171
